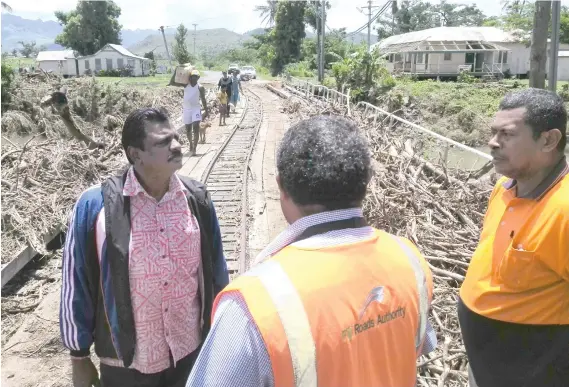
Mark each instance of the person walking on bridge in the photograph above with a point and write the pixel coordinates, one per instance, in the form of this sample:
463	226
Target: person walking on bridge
192	114
331	301
142	263
235	89
514	303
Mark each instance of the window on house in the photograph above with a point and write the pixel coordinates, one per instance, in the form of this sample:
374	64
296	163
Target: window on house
87	65
98	66
397	58
109	64
447	56
420	58
130	63
120	63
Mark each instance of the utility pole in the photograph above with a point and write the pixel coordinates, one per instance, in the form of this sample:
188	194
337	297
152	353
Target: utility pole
318	53
370	7
538	51
554	45
166	45
195	26
322	52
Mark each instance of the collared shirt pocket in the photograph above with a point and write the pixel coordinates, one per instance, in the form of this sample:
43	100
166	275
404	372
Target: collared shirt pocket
522	269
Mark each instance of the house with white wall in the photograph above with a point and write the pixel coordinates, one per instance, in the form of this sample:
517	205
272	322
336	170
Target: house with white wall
114	57
446	51
58	62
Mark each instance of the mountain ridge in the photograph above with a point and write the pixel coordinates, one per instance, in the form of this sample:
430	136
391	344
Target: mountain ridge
139	41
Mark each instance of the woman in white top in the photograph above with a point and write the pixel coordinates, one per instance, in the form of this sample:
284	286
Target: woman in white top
192	115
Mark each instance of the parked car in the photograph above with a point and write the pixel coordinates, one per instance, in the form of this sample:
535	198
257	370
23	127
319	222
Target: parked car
233	68
249	71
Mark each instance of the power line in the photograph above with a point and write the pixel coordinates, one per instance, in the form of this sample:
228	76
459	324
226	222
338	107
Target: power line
370	6
371	20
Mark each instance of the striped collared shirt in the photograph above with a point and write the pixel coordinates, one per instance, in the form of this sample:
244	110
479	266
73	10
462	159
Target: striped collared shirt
234	353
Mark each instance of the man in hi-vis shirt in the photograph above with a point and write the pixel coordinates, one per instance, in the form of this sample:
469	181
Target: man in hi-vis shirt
514	302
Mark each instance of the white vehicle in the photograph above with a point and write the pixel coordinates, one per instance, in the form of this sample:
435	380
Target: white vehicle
233	68
250	71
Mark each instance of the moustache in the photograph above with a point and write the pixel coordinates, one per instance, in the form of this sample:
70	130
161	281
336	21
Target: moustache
175	155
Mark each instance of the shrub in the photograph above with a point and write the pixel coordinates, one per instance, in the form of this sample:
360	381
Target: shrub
7	79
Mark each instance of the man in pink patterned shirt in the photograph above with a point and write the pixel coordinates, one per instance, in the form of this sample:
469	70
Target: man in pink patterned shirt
142	264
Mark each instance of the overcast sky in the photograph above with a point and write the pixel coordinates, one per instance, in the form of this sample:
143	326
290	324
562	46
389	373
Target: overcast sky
235	15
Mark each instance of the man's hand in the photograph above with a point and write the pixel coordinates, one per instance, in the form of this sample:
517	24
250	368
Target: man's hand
84	373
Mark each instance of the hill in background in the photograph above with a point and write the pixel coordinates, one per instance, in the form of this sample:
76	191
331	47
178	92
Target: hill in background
211	42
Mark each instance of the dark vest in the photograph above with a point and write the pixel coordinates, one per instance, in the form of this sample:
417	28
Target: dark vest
117	223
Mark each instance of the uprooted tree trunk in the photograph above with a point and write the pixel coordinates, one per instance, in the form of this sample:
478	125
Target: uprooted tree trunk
58	100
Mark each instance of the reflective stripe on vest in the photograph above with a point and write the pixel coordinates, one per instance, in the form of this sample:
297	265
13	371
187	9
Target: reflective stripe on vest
293	318
295	321
421	280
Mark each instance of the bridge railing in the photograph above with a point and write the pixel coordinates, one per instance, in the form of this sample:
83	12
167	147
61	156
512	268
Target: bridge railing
446	150
310	90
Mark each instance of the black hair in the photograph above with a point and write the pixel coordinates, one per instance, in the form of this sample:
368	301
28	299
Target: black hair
134	129
545	110
324	160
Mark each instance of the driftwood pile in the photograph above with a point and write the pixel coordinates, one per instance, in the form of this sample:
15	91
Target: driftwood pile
439	209
42	179
46	165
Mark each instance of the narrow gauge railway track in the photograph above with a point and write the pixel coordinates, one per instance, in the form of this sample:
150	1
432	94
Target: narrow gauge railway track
226	180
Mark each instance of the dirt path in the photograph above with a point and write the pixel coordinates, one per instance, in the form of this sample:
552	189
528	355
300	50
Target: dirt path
264	205
34	356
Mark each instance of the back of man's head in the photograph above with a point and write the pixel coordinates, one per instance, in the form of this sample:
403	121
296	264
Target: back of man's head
324	160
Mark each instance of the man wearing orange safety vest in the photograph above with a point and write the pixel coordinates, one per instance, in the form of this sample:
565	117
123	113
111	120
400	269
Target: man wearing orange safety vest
331	301
514	302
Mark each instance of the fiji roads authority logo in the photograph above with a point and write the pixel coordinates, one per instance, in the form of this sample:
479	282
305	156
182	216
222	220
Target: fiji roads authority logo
376	294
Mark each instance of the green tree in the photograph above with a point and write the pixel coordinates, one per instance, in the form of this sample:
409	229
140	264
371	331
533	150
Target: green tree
288	34
6	7
90	26
268	12
28	48
15	52
416	15
517	17
180	48
336	48
150	55
364	73
263	45
7	78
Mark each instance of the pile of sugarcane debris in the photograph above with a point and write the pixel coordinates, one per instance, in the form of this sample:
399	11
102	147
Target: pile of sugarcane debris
439	209
43	175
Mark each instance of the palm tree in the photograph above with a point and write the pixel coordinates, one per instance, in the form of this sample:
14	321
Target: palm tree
268	12
6	7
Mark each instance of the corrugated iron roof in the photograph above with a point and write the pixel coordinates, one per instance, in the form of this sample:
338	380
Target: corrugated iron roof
124	51
54	55
442	34
120	49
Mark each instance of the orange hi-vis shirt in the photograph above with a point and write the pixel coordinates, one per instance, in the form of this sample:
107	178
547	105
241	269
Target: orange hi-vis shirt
347	315
520	271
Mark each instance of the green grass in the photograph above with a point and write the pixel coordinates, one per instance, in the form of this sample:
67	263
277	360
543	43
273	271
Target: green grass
19	62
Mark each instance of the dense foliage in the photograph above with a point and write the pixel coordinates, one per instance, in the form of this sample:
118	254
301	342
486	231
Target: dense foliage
7	79
179	48
90	26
